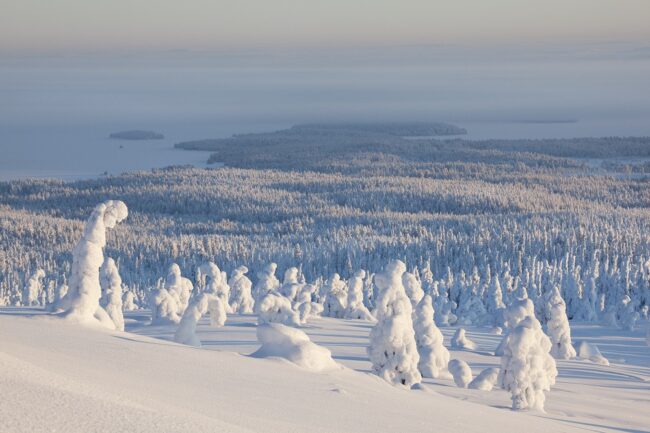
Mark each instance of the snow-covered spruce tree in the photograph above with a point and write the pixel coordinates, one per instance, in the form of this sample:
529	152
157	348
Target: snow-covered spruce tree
216	283
128	301
517	311
275	308
627	314
241	298
527	367
558	326
33	288
111	300
473	312
304	304
179	286
87	257
434	356
186	331
290	286
60	293
494	302
393	350
413	288
336	297
355	308
266	282
164	306
218	311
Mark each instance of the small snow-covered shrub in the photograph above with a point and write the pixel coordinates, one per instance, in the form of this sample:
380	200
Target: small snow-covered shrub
294	345
217	283
592	353
355	308
627	314
460	340
486	379
275	308
434	356
461	372
393	350
241	298
87	257
217	309
558	326
304	305
527	367
164	307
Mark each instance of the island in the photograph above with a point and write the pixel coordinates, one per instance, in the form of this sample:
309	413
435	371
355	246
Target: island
136	134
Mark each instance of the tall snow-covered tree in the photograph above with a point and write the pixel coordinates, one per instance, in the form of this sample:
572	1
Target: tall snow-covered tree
434	356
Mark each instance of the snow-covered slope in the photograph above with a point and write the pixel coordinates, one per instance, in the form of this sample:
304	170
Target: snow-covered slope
59	377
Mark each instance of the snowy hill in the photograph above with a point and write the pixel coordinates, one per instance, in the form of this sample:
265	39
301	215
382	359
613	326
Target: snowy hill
60	377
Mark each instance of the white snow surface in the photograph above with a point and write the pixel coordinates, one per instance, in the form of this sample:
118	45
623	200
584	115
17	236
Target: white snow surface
59	377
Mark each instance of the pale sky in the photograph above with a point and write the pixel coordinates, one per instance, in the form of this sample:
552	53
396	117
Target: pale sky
62	25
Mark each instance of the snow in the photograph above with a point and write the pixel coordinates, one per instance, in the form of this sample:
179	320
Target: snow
434	356
461	372
85	290
124	383
591	352
485	380
292	344
460	341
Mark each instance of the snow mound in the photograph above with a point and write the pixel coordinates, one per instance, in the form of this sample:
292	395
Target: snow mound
486	379
293	345
461	372
592	353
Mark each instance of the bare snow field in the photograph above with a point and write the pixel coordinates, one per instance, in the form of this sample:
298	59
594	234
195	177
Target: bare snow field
56	376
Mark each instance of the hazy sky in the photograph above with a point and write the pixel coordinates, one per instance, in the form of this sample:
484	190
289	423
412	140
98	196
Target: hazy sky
62	25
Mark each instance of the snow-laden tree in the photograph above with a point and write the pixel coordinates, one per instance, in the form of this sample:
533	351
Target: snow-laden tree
461	372
275	308
517	311
434	356
393	350
33	288
218	311
85	291
336	297
179	286
60	293
128	301
304	305
241	298
527	368
413	288
558	326
164	307
111	284
461	341
290	286
216	283
186	331
355	308
267	282
627	314
473	312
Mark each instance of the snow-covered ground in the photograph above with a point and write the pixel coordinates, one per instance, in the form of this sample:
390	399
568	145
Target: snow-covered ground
55	376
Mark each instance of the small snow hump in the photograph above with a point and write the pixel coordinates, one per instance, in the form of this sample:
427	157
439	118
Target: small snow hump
293	345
